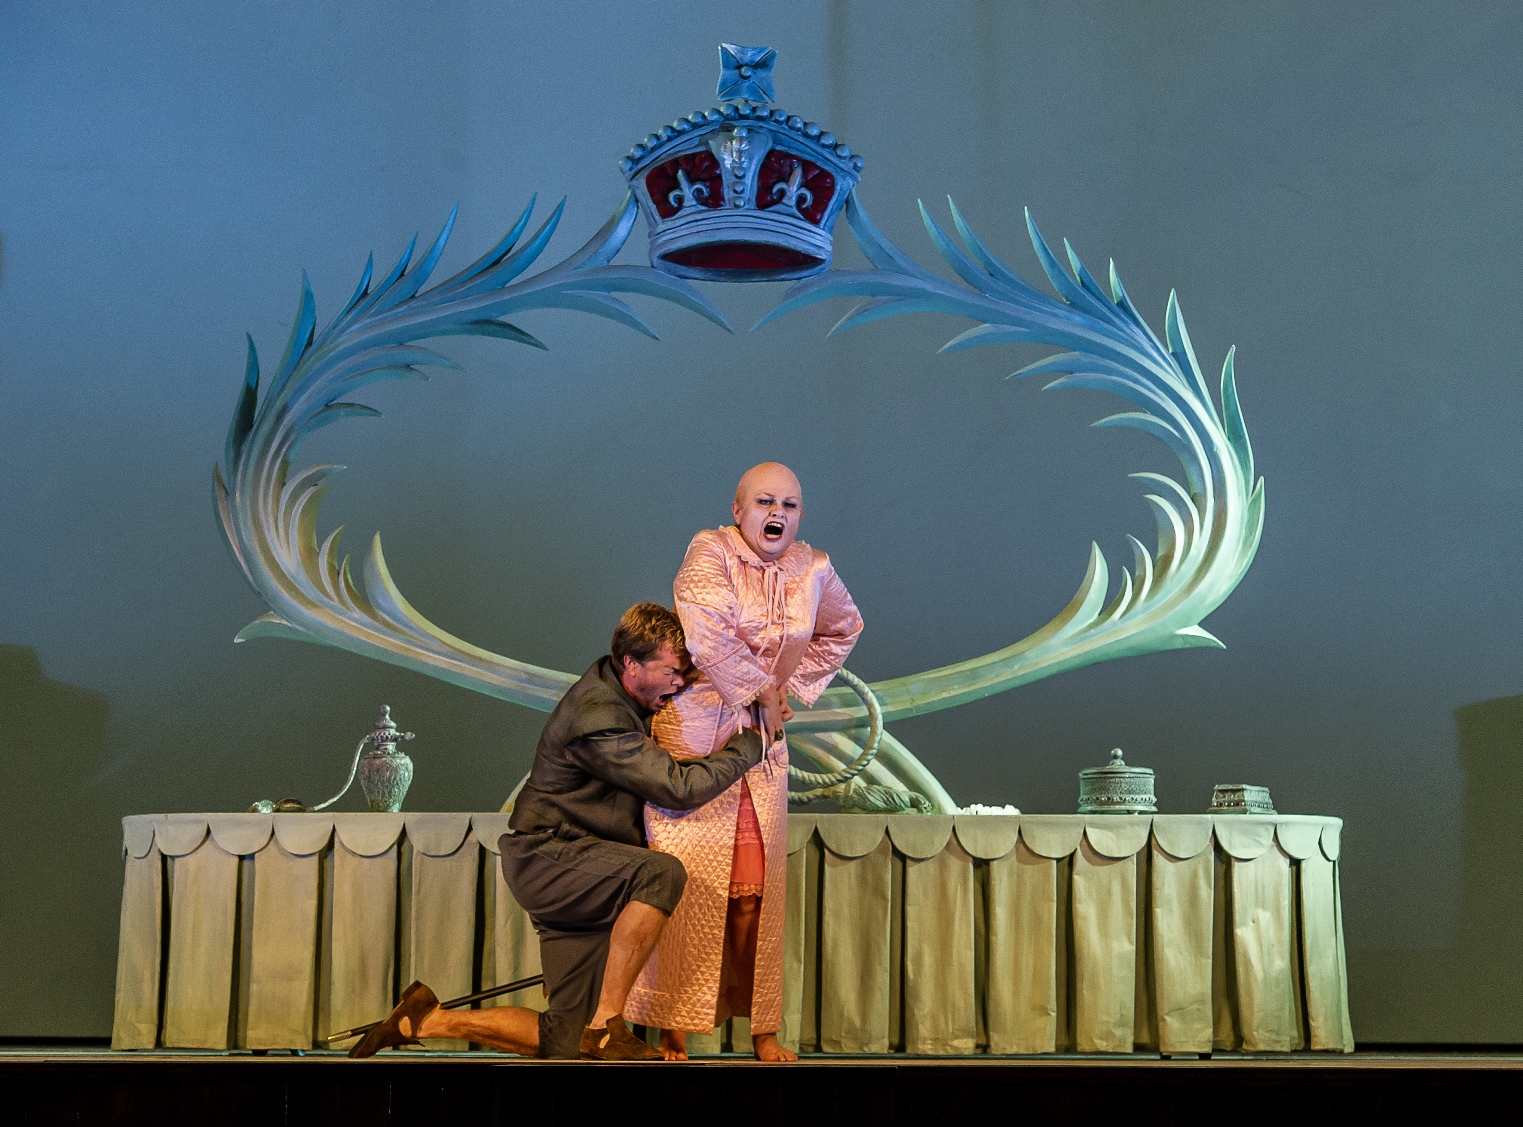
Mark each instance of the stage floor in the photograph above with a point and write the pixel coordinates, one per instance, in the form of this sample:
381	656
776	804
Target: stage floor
52	1085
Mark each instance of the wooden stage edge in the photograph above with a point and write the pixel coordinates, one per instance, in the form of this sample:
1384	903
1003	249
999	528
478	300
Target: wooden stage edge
61	1085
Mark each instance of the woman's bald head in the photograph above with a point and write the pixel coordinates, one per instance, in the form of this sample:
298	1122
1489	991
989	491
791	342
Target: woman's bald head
773	476
769	504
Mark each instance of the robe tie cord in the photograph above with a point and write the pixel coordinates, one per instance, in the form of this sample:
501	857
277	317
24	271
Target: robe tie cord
452	1004
777	601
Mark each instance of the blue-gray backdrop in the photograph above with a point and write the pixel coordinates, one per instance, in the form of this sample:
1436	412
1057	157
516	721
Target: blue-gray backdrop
1330	187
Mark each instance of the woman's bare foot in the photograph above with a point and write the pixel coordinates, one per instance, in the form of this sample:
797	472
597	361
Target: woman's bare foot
766	1047
674	1044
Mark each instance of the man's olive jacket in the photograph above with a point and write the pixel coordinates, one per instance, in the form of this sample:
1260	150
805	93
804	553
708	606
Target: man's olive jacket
596	766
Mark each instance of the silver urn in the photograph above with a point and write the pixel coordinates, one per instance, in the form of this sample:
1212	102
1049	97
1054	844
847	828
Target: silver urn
1117	788
385	772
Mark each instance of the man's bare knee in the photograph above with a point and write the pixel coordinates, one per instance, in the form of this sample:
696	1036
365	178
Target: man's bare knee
637	914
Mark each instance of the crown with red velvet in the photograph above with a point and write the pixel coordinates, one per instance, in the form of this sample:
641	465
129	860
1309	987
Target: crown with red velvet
743	192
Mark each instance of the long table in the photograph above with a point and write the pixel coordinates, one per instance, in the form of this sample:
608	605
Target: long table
937	935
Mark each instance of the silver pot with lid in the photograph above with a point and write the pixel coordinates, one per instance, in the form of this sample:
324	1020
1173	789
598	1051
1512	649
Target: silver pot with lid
1117	788
1241	798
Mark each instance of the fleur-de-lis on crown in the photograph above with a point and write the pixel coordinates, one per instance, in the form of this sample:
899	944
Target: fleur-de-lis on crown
793	193
686	193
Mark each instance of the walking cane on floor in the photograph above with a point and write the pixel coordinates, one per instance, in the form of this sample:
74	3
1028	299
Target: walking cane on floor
452	1004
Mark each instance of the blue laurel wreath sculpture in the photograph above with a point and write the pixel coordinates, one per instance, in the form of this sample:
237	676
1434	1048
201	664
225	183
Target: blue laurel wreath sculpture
1208	528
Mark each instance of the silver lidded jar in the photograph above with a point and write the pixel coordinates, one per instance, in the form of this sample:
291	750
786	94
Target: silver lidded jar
1117	788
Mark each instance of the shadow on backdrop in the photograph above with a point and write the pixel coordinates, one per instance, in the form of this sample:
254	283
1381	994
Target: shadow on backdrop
59	856
1471	992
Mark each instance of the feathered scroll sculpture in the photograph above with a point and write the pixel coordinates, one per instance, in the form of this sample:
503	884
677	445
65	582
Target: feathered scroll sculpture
1208	528
269	510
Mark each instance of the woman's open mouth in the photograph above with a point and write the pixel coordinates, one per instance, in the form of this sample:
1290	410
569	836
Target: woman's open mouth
773	529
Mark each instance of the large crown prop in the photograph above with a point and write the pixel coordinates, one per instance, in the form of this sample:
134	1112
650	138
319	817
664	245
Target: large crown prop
742	192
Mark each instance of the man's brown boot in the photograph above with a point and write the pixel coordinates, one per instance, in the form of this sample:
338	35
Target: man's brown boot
616	1043
417	1002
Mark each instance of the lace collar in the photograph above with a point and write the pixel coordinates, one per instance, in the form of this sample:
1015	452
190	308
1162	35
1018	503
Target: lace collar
793	563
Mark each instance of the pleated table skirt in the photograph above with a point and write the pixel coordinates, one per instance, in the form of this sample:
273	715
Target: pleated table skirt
941	935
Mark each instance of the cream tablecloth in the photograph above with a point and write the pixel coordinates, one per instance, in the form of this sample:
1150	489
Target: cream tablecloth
927	935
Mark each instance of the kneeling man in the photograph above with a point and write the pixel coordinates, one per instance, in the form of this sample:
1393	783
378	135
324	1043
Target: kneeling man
575	857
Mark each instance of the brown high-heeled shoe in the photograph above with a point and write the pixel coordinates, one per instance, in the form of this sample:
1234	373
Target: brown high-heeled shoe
416	1003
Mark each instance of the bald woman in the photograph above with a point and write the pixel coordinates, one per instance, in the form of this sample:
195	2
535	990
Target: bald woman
765	617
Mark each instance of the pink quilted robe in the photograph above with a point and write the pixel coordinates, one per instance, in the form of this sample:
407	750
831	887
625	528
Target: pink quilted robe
747	622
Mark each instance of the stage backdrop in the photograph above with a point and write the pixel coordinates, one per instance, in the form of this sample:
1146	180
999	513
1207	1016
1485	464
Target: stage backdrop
1335	194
